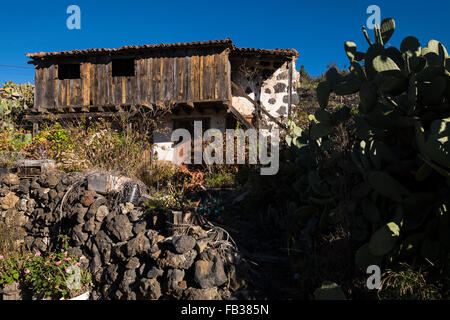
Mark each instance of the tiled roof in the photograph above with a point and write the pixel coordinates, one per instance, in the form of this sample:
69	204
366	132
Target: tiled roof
212	43
280	52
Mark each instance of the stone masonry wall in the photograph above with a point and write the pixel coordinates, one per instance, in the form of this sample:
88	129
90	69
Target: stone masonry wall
132	254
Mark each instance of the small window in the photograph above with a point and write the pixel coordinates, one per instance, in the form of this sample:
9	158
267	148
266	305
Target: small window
69	71
123	68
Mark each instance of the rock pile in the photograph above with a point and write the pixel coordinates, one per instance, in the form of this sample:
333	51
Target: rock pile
132	253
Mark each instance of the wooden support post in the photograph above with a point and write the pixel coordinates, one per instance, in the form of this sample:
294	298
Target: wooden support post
257	105
290	64
129	128
35	129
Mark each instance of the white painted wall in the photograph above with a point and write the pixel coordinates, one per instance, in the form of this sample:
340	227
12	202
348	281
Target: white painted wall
163	147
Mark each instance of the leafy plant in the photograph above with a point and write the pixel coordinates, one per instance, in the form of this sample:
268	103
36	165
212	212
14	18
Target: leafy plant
220	180
50	275
45	275
11	266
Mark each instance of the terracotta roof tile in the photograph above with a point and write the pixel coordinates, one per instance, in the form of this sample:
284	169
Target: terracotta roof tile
281	52
225	43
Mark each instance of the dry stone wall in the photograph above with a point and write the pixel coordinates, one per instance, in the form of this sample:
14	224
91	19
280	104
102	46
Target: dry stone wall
132	254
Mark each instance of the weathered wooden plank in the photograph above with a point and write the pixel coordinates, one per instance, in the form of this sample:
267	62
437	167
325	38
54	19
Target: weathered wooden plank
49	88
38	90
101	84
91	84
85	83
173	69
220	77
55	85
216	76
102	79
164	78
211	83
169	92
74	92
69	90
186	90
94	86
130	90
62	93
104	84
174	79
204	83
117	91
44	88
200	71
124	90
66	92
192	78
161	80
181	79
109	84
198	79
36	85
79	93
227	77
137	89
143	81
157	79
207	78
177	80
151	93
98	83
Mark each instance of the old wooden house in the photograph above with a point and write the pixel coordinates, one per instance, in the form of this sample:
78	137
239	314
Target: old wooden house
212	81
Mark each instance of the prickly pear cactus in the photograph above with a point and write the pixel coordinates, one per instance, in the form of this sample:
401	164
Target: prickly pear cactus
15	99
403	148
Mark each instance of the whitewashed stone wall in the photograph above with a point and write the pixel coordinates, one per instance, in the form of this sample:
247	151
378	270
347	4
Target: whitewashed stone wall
266	82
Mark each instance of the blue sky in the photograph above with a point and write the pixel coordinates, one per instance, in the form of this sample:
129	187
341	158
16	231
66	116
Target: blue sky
317	28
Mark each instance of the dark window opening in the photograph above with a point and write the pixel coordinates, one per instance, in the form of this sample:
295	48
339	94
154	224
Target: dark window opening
123	68
69	71
231	122
188	124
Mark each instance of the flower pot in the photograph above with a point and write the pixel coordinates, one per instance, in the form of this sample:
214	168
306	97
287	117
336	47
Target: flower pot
11	292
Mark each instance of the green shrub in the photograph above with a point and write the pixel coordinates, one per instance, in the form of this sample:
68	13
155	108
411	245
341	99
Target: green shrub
220	180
